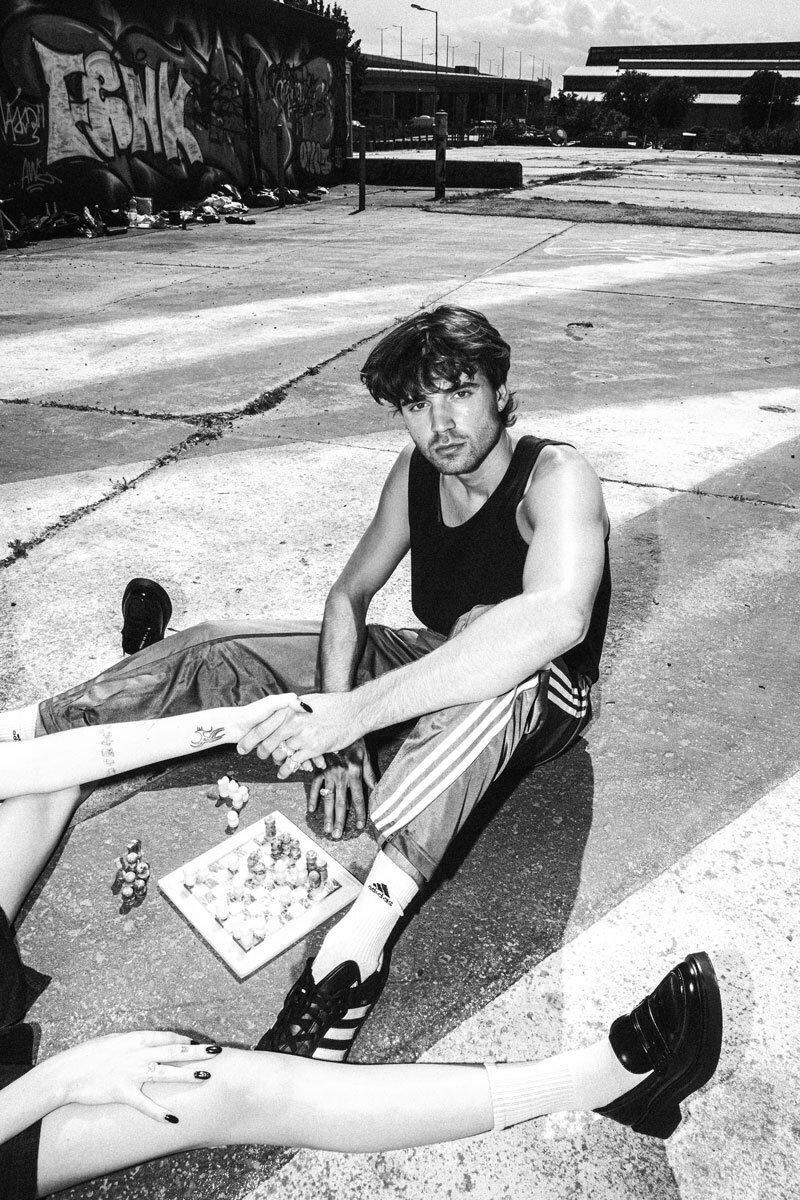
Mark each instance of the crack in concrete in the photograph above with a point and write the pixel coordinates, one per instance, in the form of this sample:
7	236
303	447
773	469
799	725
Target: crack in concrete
27	401
735	497
20	547
213	425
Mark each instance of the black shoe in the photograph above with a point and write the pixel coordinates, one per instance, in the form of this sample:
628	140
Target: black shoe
676	1032
321	1020
146	610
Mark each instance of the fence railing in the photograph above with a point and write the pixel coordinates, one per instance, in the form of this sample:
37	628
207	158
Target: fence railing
395	135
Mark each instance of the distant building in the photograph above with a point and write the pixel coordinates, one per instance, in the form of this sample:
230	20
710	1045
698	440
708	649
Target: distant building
716	71
400	89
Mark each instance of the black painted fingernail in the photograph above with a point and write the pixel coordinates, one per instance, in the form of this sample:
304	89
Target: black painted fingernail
202	1074
306	707
213	1049
172	1120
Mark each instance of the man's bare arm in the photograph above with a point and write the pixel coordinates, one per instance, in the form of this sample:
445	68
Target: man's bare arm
382	547
348	772
509	642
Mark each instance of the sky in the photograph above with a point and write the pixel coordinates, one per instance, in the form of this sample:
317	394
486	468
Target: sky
559	33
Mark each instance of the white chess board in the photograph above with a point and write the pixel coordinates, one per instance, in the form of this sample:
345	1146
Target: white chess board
251	904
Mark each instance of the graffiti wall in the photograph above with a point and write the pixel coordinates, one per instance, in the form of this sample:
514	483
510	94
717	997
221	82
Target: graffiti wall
100	101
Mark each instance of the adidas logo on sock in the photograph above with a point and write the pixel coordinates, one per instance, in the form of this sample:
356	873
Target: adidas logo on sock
15	736
382	892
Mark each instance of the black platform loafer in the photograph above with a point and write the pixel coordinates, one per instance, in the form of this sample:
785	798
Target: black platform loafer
676	1032
146	610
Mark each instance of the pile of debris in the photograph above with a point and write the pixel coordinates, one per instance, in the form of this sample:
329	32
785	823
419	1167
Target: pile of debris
227	204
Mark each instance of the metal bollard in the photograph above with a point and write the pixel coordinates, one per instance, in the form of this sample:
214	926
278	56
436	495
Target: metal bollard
440	146
281	180
362	168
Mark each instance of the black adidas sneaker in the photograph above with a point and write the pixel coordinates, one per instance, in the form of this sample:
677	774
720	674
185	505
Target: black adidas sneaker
321	1020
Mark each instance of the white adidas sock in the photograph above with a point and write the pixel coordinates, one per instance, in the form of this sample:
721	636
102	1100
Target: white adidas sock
19	725
579	1080
362	933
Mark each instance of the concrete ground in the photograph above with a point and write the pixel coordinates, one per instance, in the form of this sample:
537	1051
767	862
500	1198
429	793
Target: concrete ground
186	405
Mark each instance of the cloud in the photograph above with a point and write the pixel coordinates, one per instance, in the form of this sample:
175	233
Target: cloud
563	30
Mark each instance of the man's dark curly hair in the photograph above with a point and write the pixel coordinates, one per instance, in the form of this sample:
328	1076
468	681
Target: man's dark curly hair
445	344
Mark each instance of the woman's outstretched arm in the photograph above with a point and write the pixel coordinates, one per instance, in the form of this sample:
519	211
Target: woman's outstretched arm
60	760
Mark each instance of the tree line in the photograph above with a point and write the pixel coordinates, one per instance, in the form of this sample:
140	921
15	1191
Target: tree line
636	103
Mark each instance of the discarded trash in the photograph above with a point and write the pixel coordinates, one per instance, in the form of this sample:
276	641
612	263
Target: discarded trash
227	201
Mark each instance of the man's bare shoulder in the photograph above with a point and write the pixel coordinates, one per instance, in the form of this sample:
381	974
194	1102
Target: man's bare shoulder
561	477
560	457
398	473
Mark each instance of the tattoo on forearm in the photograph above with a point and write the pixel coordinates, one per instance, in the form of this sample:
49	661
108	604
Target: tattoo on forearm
204	737
107	752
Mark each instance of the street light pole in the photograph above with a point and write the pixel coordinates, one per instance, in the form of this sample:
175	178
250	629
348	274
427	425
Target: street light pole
381	33
477	43
502	81
435	11
400	27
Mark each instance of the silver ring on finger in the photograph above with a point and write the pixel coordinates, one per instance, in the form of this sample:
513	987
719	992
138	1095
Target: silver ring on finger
324	791
292	762
150	1073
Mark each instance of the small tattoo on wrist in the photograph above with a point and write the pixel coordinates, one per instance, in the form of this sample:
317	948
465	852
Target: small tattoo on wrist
204	737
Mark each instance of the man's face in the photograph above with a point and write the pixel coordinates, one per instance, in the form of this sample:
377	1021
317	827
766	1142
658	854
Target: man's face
456	427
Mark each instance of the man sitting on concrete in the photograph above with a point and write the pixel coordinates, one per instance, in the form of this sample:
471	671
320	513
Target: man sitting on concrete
510	579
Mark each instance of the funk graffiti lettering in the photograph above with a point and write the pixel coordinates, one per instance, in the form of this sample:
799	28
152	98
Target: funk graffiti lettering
97	109
21	121
122	100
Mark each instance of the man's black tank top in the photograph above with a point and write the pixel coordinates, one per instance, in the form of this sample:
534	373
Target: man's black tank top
482	560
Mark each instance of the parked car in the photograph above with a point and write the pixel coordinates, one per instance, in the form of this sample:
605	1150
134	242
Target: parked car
424	121
483	129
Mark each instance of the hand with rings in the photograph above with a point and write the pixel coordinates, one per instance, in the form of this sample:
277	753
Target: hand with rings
290	760
117	1069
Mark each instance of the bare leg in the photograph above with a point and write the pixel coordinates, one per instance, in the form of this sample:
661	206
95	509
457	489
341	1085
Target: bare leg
280	1100
272	1099
30	829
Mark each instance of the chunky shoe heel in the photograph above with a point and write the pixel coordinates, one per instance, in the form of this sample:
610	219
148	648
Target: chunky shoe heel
659	1124
676	1035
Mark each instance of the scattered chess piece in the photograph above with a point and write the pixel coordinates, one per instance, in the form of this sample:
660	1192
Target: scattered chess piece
132	875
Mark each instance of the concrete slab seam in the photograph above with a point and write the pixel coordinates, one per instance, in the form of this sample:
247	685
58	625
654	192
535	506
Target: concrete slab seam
693	299
737	498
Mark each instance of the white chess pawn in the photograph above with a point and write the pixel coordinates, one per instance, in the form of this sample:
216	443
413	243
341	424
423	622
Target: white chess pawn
233	819
224	787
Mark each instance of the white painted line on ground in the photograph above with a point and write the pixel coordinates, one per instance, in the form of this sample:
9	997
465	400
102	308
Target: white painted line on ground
735	895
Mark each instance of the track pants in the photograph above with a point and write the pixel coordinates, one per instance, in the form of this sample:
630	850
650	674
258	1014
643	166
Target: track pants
444	765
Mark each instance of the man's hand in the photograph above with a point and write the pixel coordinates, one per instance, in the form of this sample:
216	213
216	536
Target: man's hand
341	785
305	736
